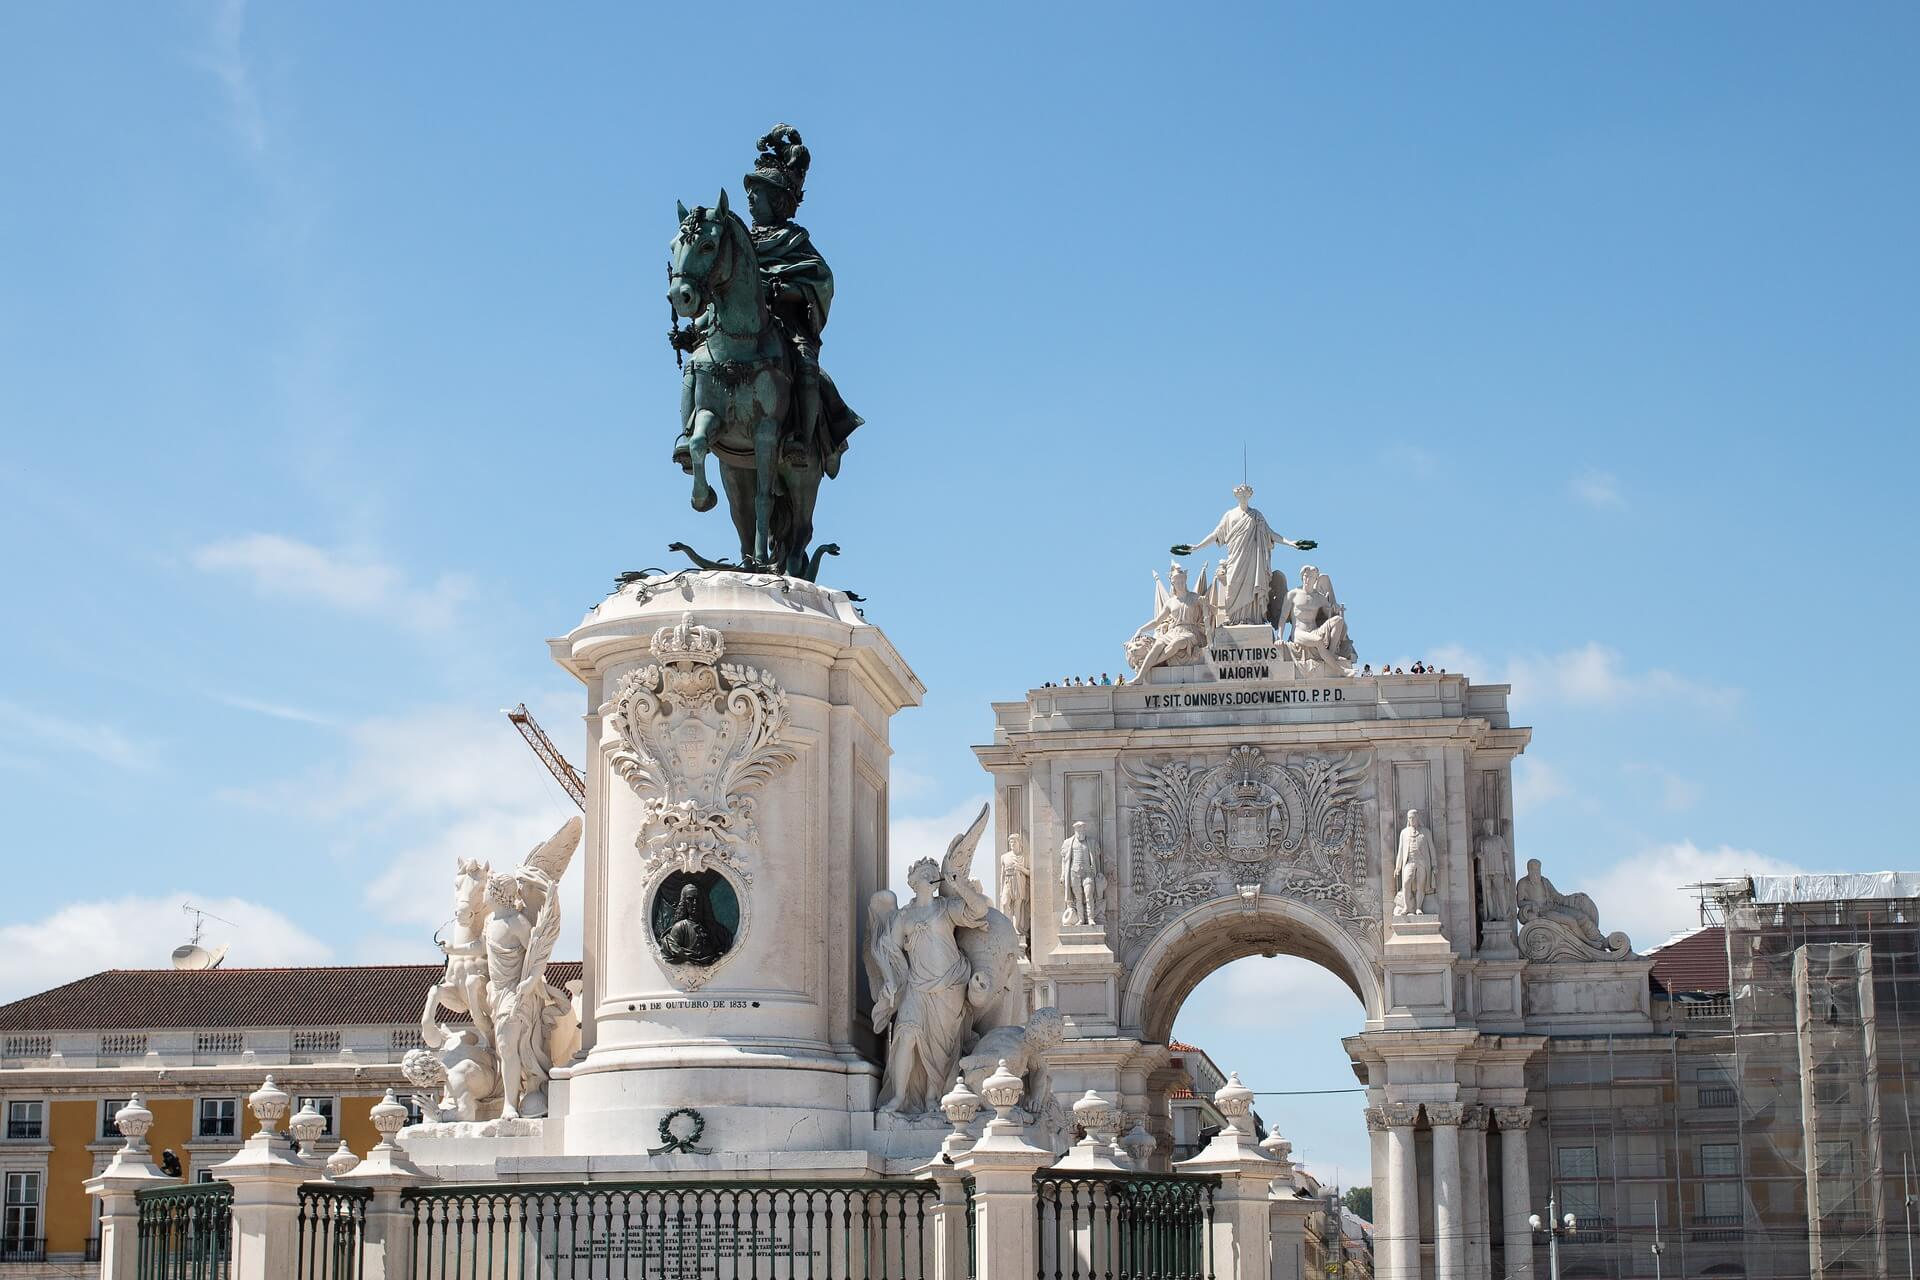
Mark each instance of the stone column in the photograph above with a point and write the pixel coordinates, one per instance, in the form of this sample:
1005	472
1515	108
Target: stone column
118	1185
1473	1177
1243	1230
1382	1188
1403	1192
1449	1216
266	1176
388	1249
1002	1164
1514	1175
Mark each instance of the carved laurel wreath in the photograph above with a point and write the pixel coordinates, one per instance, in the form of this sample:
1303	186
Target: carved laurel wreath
674	1142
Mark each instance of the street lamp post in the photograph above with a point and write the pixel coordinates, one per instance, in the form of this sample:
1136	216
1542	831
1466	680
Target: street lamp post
1555	1226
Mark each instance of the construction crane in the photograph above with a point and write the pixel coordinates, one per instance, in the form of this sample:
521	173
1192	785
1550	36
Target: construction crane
563	773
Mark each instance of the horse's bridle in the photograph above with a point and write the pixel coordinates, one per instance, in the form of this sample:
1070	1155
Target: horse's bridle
706	283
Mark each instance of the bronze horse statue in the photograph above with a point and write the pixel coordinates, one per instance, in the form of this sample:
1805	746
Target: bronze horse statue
736	394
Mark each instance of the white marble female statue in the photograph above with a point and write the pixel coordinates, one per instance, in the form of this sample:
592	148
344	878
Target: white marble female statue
931	980
1246	584
1016	882
1414	867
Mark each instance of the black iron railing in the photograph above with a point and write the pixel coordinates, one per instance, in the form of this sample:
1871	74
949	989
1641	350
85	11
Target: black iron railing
93	1249
332	1227
186	1233
973	1226
675	1231
1123	1226
22	1130
22	1249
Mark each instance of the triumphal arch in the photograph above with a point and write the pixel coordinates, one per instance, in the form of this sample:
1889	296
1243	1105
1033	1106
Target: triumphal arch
1258	790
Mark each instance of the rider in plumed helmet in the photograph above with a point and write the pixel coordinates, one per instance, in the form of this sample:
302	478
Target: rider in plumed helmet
799	287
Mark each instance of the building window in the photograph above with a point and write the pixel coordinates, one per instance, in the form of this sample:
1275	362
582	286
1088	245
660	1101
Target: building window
205	1175
20	1226
1720	1160
26	1119
1582	1200
1578	1162
414	1114
1715	1088
1720	1202
322	1105
108	1109
1835	1169
219	1118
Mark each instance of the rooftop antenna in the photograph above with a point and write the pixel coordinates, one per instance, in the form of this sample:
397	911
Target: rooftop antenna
191	954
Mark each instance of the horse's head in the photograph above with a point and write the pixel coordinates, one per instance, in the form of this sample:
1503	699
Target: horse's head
705	257
469	888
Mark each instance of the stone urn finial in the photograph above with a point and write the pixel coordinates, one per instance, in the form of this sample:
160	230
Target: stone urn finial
1234	1101
389	1118
1094	1114
306	1127
960	1106
1002	1090
133	1121
342	1162
1139	1144
269	1105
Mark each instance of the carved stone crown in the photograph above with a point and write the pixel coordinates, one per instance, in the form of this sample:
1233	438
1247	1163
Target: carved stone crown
686	641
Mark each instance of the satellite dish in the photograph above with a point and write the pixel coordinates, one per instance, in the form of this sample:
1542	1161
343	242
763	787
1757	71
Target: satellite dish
190	956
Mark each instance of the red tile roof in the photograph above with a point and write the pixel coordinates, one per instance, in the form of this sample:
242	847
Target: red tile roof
1695	962
342	996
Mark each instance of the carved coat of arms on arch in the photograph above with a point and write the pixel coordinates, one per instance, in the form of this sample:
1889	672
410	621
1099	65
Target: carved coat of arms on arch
697	737
1297	826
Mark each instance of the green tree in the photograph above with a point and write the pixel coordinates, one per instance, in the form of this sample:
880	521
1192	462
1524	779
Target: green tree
1359	1202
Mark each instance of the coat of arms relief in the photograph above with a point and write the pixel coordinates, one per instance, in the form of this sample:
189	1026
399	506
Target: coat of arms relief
1295	827
697	737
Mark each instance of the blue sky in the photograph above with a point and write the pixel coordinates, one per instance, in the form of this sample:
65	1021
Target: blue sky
333	381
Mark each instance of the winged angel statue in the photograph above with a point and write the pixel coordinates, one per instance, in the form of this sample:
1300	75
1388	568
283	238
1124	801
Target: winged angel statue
497	972
938	968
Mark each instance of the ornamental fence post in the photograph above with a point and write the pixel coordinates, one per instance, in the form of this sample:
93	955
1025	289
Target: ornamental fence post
1002	1164
1243	1229
387	1245
266	1177
130	1172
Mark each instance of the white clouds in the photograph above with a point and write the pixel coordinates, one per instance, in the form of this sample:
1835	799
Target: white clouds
1595	675
273	710
1676	793
140	933
36	731
276	566
1245	995
1644	893
1597	489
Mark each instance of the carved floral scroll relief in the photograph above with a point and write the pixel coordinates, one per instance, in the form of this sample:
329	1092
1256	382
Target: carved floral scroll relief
1295	826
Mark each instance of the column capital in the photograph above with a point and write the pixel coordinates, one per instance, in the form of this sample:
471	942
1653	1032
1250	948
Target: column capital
1376	1119
1473	1115
1444	1113
1401	1114
1513	1117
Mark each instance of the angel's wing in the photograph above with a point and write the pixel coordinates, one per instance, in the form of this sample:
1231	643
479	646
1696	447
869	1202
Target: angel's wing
884	973
1277	599
959	859
551	859
1159	595
546	926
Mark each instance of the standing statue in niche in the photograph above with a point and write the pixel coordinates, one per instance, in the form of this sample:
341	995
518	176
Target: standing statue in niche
1083	881
1319	643
940	967
1493	870
1182	625
1249	590
753	392
1415	867
1016	884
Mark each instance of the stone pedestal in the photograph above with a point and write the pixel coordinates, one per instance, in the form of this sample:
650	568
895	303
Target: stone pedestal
736	741
118	1186
1419	972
